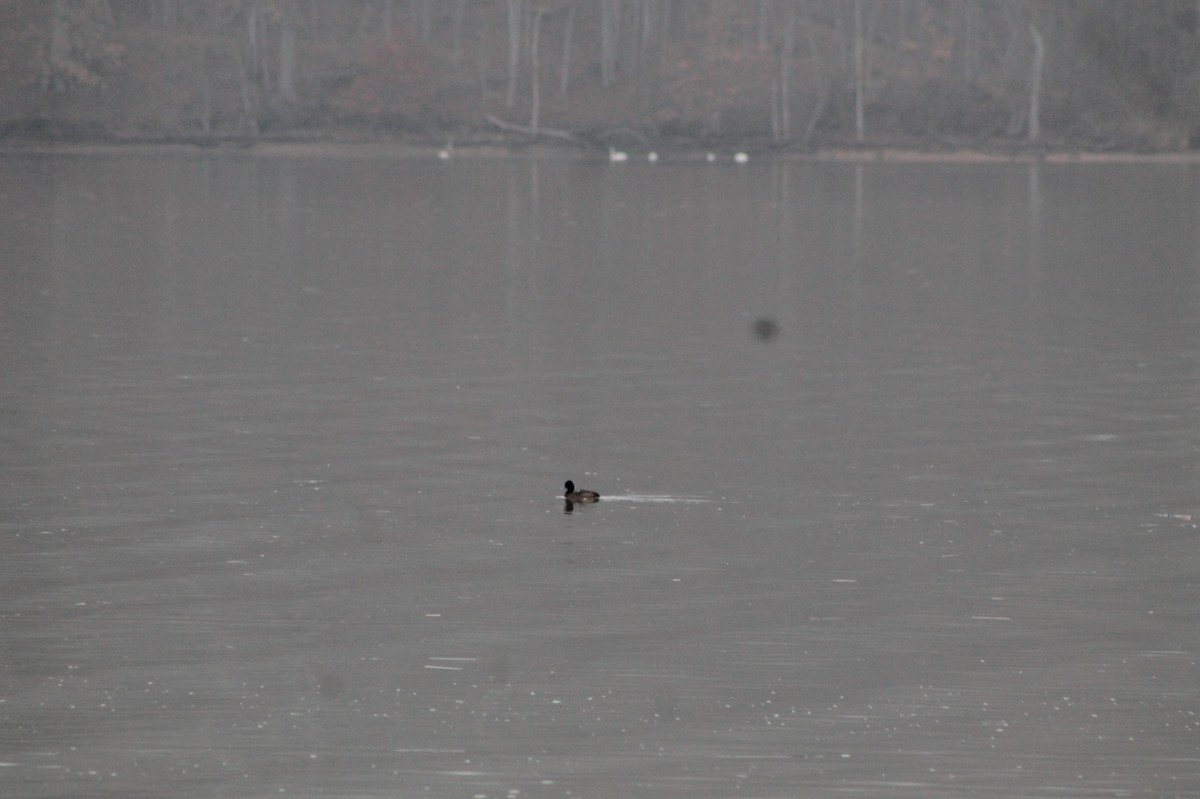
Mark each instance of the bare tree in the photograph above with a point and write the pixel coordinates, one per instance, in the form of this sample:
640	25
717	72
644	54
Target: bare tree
516	10
460	10
253	74
534	68
60	47
763	26
859	78
649	24
787	49
1035	84
252	37
205	88
970	42
287	58
610	30
823	89
568	33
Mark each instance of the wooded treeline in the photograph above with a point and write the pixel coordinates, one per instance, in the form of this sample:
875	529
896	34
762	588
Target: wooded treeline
1097	74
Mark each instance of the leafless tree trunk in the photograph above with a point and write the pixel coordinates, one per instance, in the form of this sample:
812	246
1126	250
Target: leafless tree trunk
460	9
60	47
649	25
823	89
860	125
763	26
535	87
568	33
249	115
970	42
257	58
787	50
610	29
515	11
205	91
287	59
249	68
251	38
1035	88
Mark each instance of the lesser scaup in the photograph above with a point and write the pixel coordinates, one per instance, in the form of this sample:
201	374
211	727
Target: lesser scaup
571	495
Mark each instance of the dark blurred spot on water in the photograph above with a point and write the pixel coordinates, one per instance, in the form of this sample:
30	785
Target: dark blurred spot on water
765	329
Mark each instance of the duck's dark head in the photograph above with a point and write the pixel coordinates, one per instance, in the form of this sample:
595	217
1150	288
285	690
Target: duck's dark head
570	486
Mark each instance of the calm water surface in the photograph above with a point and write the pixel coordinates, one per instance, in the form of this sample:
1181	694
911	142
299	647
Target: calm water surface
284	438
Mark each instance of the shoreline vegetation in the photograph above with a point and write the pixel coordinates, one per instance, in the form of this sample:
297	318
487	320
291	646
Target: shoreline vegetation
400	148
893	80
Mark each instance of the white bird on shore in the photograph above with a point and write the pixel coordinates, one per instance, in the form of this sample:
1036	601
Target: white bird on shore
447	151
710	157
652	157
617	155
740	158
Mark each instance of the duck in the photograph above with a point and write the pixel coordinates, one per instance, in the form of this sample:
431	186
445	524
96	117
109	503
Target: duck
571	495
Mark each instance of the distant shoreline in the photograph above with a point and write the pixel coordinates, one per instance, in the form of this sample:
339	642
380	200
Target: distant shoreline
399	148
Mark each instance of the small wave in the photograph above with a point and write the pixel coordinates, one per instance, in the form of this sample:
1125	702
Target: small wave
653	498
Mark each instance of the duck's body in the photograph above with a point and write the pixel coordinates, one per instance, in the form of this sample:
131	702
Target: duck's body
571	495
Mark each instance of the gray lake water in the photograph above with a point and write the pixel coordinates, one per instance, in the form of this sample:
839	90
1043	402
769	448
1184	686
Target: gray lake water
284	440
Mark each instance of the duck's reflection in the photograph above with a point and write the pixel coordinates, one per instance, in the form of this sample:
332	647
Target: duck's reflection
569	506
